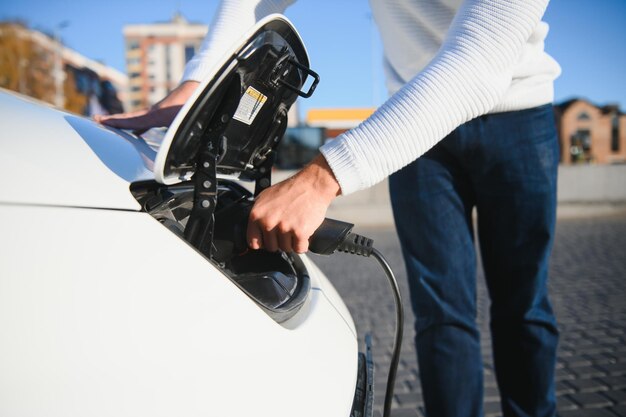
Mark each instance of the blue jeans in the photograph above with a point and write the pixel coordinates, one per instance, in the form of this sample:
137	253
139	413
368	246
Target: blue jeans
505	165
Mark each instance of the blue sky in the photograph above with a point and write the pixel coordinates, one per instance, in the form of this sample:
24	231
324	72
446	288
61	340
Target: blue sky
586	37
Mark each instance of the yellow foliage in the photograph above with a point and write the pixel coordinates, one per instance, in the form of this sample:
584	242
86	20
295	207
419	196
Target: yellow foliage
24	66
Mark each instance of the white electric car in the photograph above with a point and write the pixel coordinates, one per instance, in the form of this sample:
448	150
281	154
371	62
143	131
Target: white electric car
124	289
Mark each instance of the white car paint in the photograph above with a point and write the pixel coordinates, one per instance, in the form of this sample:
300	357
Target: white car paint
108	313
52	157
104	311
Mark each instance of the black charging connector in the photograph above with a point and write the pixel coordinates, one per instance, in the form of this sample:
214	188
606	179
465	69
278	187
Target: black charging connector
357	245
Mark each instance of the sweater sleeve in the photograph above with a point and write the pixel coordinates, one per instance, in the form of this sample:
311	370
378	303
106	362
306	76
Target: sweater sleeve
232	19
467	78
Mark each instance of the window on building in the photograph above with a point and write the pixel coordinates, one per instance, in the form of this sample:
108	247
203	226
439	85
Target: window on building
133	61
615	132
82	82
580	146
190	51
134	75
584	116
135	88
168	62
131	45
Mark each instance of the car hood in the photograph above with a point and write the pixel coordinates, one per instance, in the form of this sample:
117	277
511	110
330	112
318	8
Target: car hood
50	157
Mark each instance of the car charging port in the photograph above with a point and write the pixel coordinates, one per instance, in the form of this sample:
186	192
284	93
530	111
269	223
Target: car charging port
278	282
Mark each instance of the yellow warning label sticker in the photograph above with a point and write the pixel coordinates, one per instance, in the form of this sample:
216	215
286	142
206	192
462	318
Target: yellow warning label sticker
249	105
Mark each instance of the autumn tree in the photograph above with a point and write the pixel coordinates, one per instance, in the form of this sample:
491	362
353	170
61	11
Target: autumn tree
24	66
28	68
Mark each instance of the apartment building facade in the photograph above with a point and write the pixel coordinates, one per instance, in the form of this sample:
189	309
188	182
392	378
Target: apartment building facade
156	54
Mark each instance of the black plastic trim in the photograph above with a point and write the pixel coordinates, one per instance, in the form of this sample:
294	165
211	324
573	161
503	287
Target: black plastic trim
362	405
273	47
308	71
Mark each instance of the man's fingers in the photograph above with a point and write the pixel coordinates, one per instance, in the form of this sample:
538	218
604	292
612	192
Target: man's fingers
103	118
260	237
135	120
254	235
284	241
141	120
270	240
300	243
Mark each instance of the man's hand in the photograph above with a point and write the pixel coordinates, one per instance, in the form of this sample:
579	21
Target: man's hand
285	215
160	115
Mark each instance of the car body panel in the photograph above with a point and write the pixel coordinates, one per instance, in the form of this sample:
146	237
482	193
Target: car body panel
147	326
49	157
329	291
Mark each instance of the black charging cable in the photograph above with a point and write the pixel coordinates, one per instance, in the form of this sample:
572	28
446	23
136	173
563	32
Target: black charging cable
363	246
334	235
331	236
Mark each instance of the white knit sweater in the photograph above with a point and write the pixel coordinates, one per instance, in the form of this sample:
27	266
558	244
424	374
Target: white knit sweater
446	63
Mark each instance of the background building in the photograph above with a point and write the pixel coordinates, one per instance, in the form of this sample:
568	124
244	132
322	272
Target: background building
156	55
590	133
337	121
39	65
301	143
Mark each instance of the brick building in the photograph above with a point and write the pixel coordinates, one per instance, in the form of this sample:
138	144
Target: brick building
590	133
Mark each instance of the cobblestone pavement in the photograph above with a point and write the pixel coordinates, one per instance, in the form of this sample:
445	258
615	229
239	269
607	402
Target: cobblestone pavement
588	290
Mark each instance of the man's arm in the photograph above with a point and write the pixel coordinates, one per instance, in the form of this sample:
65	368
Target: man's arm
467	78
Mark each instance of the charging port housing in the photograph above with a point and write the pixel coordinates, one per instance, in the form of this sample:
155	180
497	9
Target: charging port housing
277	281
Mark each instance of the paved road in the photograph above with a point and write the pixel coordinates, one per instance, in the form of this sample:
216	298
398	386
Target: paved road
588	288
